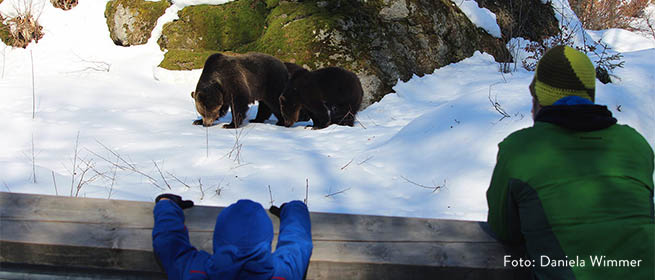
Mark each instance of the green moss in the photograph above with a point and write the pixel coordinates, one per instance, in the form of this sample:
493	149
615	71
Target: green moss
4	32
146	14
185	59
269	3
217	27
292	31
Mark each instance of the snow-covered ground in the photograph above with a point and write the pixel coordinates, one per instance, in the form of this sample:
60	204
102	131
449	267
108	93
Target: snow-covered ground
427	151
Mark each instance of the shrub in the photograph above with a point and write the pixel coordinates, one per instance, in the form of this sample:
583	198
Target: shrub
23	28
605	14
64	4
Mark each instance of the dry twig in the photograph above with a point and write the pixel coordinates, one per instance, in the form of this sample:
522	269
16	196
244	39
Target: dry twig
344	167
338	192
177	179
77	141
497	106
364	161
127	167
306	190
54	182
202	192
162	175
433	188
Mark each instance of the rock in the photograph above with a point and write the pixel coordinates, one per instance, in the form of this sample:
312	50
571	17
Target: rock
131	22
529	19
215	27
396	10
381	41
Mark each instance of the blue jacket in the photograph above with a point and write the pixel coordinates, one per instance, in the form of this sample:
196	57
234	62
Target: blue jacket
242	243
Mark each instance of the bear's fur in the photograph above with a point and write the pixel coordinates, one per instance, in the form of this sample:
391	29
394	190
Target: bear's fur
330	95
234	81
292	68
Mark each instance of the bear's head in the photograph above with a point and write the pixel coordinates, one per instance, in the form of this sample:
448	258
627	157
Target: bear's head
209	101
290	99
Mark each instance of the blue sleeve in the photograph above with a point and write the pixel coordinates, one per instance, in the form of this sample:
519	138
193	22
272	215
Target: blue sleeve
170	241
294	245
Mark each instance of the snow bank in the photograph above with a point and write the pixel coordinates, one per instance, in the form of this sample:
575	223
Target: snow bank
481	17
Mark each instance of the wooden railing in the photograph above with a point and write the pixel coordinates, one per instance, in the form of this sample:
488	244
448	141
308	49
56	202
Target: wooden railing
50	235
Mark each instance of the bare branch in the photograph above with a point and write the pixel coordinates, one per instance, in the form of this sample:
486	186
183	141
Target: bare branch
54	182
344	167
77	141
306	190
202	192
433	188
219	189
113	180
497	106
89	165
336	193
162	175
130	167
177	179
367	159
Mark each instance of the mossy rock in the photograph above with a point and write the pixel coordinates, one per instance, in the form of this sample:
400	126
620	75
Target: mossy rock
382	41
4	31
131	22
179	59
215	27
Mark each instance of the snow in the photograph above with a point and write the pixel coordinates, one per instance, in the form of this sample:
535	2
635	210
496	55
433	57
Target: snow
426	151
481	17
623	40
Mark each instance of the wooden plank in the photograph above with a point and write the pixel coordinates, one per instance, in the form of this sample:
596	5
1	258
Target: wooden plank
201	218
112	234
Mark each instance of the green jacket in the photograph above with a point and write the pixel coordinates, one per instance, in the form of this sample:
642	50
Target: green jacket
576	187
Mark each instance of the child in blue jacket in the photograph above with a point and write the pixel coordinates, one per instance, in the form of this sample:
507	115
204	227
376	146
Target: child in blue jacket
242	242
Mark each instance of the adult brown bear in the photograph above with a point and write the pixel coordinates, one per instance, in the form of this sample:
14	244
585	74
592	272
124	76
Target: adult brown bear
234	81
292	68
330	95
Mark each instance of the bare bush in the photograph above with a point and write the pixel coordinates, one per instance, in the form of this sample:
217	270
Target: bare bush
605	59
24	26
64	4
605	14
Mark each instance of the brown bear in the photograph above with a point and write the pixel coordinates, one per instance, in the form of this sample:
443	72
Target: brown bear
330	95
234	81
292	68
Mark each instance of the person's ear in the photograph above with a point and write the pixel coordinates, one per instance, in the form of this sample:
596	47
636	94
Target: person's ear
193	94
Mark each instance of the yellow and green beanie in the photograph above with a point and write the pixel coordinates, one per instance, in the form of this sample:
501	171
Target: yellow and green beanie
563	71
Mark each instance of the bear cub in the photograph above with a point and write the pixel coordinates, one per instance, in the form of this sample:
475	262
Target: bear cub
234	81
331	95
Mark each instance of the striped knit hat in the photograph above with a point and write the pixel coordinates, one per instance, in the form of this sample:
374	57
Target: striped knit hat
563	71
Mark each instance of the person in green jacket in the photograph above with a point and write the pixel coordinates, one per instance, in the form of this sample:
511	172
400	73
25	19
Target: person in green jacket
576	188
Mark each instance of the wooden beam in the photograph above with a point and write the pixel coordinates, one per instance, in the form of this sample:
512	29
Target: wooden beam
85	233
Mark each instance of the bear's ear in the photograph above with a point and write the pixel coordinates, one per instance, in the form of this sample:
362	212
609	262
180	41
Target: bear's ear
193	94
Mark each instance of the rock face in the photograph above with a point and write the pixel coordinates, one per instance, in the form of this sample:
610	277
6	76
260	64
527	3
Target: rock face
130	22
529	19
382	41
